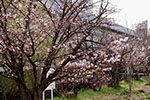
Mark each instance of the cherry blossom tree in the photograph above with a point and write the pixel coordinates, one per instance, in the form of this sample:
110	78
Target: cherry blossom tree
102	64
38	36
120	52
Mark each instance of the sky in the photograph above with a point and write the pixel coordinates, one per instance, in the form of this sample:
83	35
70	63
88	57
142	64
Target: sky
131	12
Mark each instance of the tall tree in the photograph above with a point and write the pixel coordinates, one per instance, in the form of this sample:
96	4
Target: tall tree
37	36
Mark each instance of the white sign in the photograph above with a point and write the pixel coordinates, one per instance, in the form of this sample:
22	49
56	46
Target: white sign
51	71
51	86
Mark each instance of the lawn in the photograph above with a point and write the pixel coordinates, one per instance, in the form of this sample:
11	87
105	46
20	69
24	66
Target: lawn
140	91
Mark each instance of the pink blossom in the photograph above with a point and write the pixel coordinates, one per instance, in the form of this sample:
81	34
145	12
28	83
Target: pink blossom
20	5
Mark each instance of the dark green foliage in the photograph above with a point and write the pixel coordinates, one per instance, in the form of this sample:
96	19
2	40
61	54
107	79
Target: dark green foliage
141	91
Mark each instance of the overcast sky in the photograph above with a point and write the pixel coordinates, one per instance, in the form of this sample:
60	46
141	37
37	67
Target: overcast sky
131	11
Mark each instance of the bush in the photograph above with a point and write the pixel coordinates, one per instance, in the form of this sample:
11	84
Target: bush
141	91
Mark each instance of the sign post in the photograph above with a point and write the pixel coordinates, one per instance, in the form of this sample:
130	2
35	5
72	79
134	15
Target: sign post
43	95
51	86
51	94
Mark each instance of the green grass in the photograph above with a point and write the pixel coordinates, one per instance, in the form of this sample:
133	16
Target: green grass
135	92
124	92
134	82
137	82
89	93
57	98
147	94
86	93
148	97
107	89
109	92
125	96
123	84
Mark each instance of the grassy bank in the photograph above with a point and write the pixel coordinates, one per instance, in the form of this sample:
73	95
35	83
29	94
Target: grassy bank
140	91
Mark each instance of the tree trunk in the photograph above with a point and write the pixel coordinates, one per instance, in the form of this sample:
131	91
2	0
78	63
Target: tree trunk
115	77
26	94
37	95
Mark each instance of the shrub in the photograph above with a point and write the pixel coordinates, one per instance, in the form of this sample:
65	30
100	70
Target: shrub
141	91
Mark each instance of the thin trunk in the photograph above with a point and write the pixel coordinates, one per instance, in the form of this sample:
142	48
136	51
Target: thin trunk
130	83
115	77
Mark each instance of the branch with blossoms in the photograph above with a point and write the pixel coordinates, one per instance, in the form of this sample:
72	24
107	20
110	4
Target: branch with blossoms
37	36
